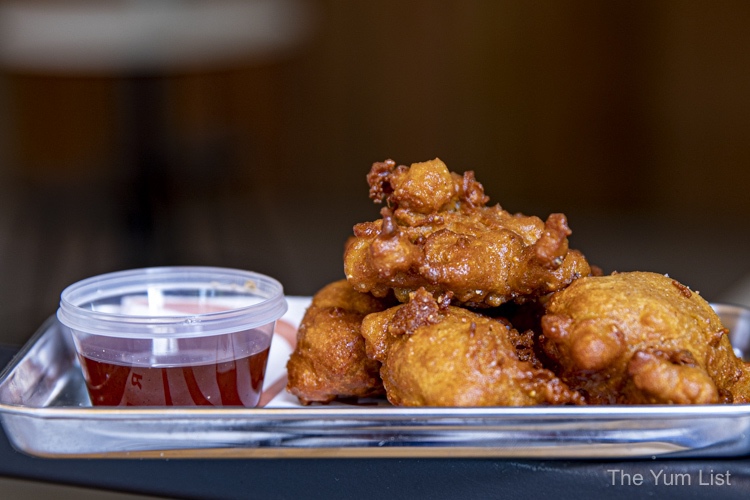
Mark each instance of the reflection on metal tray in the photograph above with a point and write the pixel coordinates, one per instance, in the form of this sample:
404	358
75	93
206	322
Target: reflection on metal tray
46	412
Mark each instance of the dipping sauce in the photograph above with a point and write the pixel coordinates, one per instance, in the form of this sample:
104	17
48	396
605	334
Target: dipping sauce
173	336
231	383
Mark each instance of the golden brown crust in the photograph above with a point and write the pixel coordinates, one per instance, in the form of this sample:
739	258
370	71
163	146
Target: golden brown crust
329	359
641	338
580	337
437	233
439	355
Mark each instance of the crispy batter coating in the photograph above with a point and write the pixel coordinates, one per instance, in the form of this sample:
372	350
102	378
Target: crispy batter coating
434	354
329	360
436	232
546	327
642	338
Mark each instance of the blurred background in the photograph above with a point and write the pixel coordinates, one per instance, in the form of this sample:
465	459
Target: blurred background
239	133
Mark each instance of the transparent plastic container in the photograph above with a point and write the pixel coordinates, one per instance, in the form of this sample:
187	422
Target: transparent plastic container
173	336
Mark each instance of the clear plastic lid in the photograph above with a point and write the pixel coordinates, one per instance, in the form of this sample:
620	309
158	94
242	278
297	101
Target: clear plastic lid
173	302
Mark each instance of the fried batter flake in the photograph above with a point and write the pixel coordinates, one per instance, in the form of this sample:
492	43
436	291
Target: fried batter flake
436	232
437	355
642	338
329	359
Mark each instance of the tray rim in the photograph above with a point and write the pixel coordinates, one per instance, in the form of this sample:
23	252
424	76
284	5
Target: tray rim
317	416
603	412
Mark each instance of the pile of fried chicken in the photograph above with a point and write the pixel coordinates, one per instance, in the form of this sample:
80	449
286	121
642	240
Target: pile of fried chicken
449	301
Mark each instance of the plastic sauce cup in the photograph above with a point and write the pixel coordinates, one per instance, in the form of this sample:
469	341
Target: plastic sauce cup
173	336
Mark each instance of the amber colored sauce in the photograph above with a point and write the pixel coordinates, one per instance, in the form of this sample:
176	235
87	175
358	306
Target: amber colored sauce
232	383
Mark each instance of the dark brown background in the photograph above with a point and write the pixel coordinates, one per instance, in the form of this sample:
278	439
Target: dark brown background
631	117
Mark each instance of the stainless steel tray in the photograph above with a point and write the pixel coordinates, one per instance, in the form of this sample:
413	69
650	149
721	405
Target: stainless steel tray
46	412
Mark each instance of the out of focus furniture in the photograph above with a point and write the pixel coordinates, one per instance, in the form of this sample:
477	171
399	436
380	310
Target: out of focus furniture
136	36
66	221
139	44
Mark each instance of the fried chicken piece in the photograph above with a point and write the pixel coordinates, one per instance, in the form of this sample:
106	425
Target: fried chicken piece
433	354
642	338
437	232
329	360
